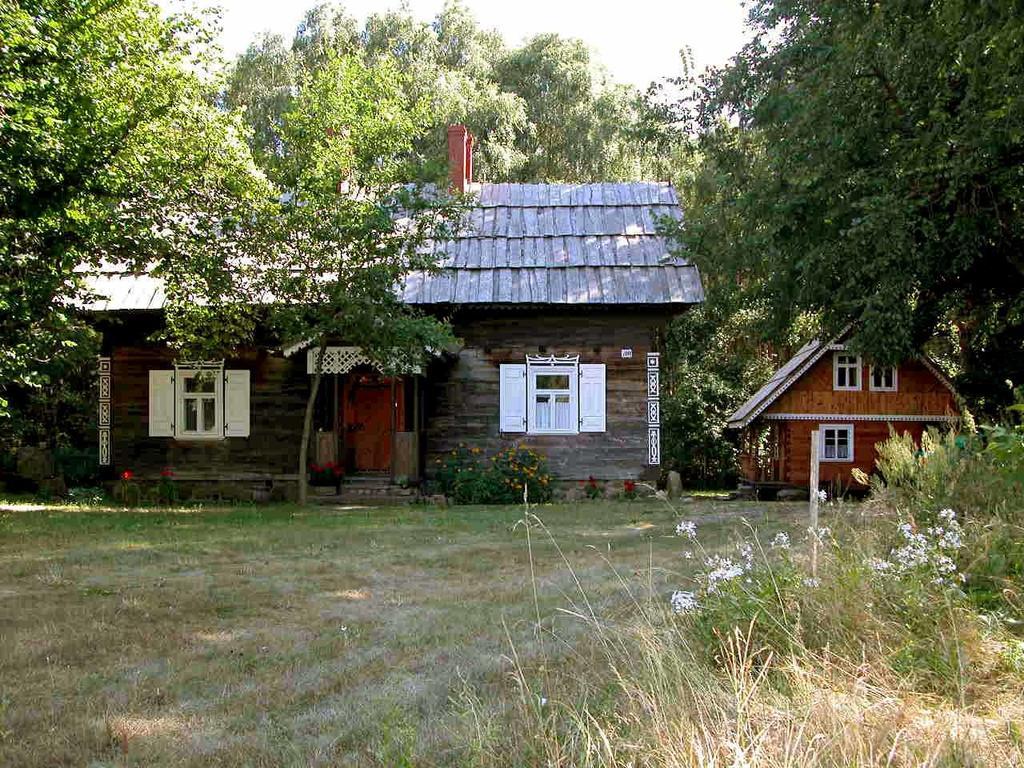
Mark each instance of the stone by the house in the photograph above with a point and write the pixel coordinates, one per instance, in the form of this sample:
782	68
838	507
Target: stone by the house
674	485
53	487
34	463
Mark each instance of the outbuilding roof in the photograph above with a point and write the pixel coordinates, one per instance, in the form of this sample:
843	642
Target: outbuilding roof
797	366
566	244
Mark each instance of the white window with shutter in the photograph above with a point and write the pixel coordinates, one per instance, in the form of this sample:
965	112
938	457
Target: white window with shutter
553	396
236	403
199	403
592	397
512	398
161	403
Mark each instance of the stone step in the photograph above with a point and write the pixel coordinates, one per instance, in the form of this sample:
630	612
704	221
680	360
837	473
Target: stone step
364	500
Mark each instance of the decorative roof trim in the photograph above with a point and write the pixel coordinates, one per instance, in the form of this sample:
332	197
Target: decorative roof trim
858	417
933	367
783	386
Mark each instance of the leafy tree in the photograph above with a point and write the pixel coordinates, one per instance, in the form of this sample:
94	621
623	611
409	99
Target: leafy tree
111	152
545	111
579	119
867	159
360	219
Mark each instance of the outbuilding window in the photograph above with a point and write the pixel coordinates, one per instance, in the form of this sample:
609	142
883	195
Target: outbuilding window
836	442
883	378
552	396
846	372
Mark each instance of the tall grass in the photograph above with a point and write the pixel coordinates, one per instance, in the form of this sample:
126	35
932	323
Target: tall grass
888	658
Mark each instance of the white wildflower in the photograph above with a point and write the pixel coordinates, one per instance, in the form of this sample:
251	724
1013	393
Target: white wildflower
822	496
812	582
746	551
781	540
720	571
687	528
687	554
684	602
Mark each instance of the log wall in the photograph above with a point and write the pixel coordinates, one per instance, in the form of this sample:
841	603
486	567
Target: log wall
239	467
462	404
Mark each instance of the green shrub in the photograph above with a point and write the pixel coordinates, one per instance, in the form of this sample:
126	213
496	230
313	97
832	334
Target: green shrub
466	476
79	467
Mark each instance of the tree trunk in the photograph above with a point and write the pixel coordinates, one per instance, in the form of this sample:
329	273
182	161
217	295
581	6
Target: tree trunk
307	425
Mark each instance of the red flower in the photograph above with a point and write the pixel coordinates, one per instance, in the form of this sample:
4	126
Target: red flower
314	467
629	486
167	472
127	475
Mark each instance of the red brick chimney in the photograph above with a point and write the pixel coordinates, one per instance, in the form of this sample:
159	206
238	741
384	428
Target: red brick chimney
460	157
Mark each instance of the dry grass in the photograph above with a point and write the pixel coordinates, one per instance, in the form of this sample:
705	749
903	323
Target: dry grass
277	636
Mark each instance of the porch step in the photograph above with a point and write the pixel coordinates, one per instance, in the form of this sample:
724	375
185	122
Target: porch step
369	490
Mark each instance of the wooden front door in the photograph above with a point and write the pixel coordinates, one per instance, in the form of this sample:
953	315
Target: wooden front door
368	421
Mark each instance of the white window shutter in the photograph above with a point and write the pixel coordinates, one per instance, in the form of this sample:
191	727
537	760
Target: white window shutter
161	403
513	397
236	403
592	397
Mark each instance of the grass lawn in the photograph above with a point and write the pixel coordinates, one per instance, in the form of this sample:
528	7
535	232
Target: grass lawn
283	636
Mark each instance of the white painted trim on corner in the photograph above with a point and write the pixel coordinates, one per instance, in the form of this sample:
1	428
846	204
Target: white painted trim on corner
923	417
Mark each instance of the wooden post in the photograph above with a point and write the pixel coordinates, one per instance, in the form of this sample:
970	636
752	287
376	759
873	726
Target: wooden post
813	495
416	423
394	425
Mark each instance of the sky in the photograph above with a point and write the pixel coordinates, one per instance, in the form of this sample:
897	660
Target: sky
637	40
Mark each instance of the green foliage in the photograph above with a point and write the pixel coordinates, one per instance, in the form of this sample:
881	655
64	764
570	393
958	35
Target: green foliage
466	476
863	162
543	111
949	470
716	358
79	467
112	153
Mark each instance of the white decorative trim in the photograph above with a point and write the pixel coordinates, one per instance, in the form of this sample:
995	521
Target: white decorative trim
938	374
103	419
923	417
653	409
337	359
785	385
552	360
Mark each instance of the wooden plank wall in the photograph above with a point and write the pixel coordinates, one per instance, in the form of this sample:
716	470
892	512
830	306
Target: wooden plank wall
919	393
796	436
462	406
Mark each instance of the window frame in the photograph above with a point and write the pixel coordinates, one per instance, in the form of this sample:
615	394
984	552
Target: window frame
848	428
895	378
835	371
217	396
554	368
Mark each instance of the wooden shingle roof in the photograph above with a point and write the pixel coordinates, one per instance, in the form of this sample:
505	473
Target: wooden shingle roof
568	244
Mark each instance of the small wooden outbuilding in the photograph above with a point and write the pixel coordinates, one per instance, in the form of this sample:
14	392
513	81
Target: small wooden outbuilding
854	404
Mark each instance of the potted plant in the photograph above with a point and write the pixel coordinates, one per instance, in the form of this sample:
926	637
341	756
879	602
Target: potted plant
326	479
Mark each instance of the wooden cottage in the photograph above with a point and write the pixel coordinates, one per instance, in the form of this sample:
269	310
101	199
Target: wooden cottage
559	293
854	404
